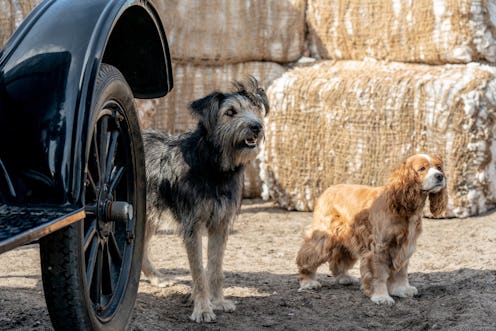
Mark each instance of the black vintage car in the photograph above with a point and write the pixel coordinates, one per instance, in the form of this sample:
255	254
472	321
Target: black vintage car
71	155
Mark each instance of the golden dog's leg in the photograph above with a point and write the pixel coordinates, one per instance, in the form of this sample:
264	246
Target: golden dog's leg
217	240
366	273
202	310
340	262
380	274
314	252
398	284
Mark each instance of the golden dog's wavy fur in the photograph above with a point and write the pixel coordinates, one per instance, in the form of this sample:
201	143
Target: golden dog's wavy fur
377	225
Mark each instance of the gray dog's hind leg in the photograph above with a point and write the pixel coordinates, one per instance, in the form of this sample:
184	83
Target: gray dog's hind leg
154	276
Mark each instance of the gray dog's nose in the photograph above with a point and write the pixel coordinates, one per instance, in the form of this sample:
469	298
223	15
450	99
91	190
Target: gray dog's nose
256	128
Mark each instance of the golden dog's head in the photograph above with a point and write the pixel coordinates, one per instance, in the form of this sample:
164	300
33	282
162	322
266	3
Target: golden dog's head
421	175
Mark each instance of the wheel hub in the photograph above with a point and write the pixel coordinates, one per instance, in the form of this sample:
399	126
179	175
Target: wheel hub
109	211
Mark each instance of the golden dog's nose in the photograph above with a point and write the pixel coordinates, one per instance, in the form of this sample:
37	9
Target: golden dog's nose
439	177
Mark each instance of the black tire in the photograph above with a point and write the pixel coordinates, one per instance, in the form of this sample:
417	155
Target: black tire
91	269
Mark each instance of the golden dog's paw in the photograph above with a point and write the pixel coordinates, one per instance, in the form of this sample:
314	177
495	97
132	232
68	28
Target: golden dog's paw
225	305
411	291
405	291
383	299
347	280
203	313
309	284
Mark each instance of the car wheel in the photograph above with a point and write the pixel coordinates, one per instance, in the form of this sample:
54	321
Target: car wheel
91	269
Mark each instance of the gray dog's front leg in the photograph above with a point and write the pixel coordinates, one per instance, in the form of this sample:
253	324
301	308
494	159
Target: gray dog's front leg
217	240
202	310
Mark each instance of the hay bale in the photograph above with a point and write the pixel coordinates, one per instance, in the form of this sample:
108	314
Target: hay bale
420	31
252	183
192	82
225	31
351	122
147	109
12	12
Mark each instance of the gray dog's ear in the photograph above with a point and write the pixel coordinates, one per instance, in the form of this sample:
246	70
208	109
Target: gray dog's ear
259	92
206	108
250	89
205	104
265	101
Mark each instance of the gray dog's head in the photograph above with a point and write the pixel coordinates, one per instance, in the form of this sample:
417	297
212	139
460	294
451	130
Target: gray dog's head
234	121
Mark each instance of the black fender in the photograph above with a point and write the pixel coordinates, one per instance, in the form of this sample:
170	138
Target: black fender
47	76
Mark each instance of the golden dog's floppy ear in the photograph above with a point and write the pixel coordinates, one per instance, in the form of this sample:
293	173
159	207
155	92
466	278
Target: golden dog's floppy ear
403	190
438	202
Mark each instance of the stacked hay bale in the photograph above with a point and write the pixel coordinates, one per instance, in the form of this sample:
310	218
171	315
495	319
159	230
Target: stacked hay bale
353	120
214	43
420	31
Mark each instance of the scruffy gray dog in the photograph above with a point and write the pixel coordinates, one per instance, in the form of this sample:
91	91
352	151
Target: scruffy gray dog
196	178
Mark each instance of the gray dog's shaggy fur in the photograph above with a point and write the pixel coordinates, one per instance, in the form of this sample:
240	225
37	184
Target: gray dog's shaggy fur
196	178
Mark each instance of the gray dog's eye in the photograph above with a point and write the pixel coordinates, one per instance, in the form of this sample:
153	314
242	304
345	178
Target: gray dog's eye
230	112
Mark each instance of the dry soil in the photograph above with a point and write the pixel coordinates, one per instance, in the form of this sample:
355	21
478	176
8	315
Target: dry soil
454	269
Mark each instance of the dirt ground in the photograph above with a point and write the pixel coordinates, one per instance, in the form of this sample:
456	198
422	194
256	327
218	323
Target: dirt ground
454	269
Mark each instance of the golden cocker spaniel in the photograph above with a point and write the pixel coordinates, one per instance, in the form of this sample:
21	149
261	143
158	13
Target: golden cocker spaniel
377	225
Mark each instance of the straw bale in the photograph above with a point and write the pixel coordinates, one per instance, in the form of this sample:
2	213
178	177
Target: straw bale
147	110
351	122
420	31
192	82
225	31
12	12
252	183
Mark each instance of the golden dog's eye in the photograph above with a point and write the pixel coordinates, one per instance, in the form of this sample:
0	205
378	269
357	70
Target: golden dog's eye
439	168
422	169
230	112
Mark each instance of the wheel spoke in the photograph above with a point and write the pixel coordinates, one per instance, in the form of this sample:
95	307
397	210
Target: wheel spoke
112	272
103	146
116	177
91	261
92	184
114	138
115	261
96	283
97	156
110	276
114	251
114	278
90	235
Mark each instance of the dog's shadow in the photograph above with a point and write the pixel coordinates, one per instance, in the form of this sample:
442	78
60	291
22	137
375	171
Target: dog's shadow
455	299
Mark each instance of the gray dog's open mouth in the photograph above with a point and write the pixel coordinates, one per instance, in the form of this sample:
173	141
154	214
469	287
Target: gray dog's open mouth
251	142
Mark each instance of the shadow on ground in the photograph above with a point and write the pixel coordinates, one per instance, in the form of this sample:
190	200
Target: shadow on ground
460	300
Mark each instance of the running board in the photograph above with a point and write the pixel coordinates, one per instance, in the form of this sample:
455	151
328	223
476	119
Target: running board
22	225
